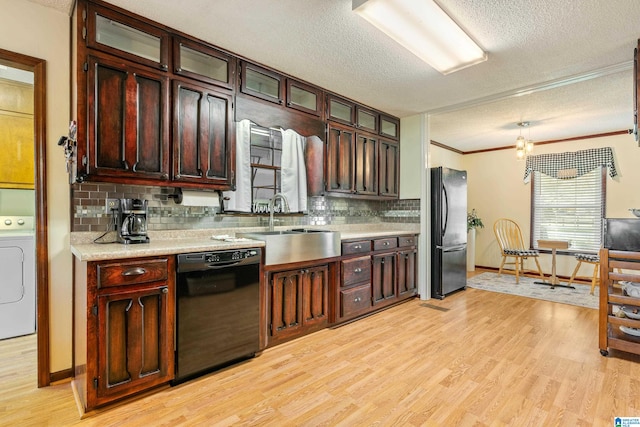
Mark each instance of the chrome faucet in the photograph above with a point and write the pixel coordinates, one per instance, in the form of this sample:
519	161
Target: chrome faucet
272	202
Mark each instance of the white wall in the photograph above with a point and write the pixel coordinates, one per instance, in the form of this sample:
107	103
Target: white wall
42	32
496	190
411	140
446	158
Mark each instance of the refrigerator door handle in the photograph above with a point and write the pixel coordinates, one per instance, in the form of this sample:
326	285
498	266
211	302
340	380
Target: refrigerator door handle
452	248
445	212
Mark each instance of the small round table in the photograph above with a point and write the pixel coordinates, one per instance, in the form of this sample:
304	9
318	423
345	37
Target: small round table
553	245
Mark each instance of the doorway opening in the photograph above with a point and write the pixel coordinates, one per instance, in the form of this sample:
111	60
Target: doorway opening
37	67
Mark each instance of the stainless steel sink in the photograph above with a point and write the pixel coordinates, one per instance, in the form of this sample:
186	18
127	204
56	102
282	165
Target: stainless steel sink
307	230
300	244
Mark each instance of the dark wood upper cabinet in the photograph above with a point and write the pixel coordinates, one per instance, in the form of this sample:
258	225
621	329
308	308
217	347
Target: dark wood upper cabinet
128	126
340	164
273	87
366	162
389	169
340	110
389	127
127	37
361	164
206	64
374	164
304	97
366	119
203	135
158	107
262	83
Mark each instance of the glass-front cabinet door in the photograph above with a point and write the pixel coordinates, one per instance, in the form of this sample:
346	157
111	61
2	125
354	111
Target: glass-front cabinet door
126	37
303	97
340	110
366	119
261	83
203	63
389	127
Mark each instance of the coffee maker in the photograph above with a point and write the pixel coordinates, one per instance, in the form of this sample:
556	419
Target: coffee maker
131	221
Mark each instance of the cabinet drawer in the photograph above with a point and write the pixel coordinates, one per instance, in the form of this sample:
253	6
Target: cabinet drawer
355	300
382	244
128	273
359	247
356	270
405	241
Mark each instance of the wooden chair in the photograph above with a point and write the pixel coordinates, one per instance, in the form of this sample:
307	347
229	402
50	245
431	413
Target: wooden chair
587	259
509	238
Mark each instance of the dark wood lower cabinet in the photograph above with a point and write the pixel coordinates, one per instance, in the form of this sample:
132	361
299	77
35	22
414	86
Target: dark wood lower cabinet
134	348
374	274
124	309
124	327
407	272
298	302
354	301
383	279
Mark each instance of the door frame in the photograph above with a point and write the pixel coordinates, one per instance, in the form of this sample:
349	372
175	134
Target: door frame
38	68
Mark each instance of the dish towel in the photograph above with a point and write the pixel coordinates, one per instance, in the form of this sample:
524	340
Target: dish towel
240	200
294	172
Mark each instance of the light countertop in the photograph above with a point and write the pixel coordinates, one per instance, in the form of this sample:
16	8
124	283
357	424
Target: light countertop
185	241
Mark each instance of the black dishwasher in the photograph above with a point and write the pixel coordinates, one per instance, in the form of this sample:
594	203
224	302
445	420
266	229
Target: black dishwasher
217	310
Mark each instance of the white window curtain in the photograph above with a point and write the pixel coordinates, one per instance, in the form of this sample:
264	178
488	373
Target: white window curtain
294	175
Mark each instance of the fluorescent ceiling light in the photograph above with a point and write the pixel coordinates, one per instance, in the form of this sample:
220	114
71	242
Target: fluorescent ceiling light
425	30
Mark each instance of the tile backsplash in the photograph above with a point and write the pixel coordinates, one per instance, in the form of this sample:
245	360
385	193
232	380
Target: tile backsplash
90	213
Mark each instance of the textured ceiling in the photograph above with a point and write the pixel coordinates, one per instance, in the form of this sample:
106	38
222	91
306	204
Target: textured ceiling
529	42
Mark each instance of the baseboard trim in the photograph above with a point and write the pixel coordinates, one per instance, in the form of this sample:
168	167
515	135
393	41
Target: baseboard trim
61	375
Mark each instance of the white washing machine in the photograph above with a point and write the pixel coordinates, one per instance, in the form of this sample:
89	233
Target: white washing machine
17	276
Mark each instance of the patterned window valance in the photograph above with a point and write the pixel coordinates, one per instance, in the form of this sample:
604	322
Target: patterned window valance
571	165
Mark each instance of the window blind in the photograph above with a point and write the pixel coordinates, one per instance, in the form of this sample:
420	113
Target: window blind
569	209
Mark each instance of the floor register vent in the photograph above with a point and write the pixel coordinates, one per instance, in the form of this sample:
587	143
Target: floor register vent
435	307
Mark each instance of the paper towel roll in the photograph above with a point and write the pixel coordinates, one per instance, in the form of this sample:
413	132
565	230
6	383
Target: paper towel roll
200	198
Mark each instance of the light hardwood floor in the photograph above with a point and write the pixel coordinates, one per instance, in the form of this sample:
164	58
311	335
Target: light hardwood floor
482	359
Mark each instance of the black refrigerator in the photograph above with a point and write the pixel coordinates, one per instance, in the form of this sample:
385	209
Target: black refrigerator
448	231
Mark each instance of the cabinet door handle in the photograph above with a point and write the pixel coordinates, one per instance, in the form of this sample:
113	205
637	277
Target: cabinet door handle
165	290
385	244
137	271
357	270
357	247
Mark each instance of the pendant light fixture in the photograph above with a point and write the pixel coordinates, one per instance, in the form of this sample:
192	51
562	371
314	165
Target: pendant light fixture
524	147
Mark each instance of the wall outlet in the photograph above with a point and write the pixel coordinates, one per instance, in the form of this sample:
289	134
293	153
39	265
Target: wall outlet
111	205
